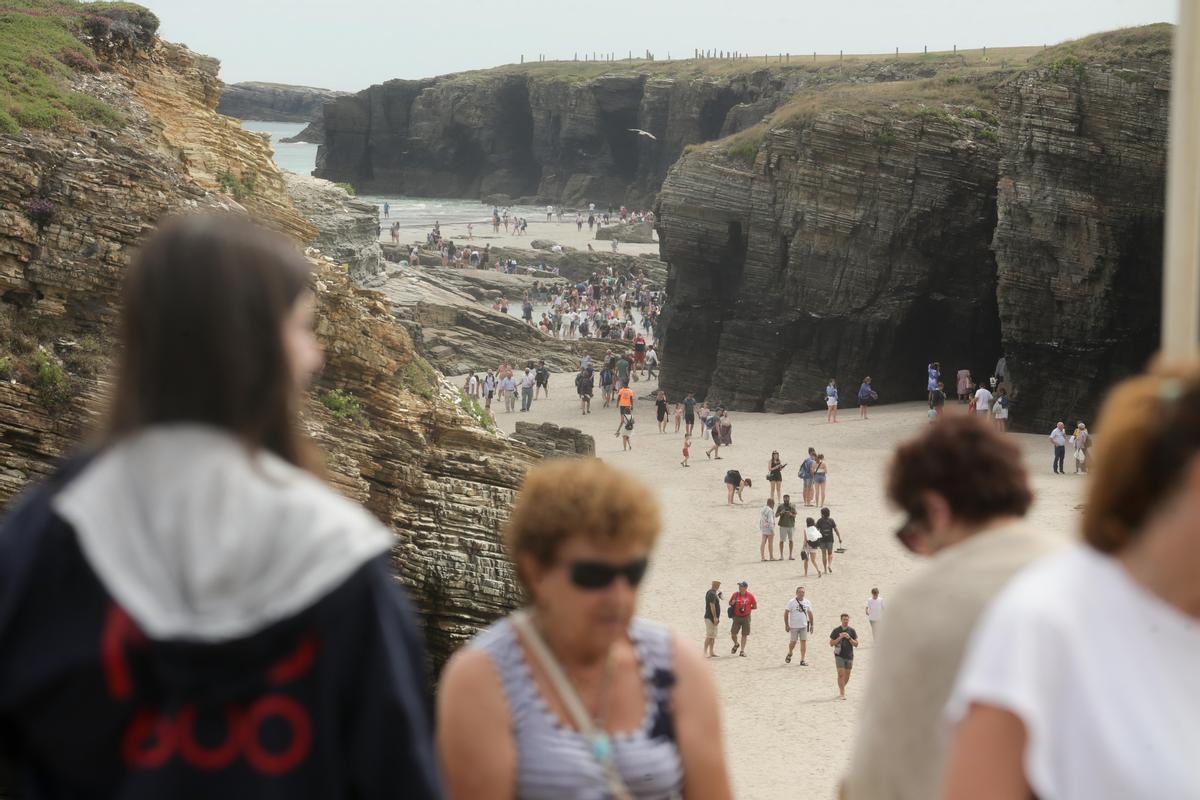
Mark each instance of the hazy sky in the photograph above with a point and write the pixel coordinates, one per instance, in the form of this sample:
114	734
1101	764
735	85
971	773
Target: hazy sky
351	44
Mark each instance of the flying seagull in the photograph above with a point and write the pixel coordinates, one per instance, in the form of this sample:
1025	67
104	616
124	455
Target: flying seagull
641	132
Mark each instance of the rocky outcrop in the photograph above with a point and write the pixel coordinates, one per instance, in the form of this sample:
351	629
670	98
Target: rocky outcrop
856	237
407	448
274	102
1080	228
551	441
443	312
633	233
347	228
560	132
786	272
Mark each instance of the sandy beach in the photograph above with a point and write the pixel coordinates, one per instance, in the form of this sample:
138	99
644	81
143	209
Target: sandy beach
563	233
777	716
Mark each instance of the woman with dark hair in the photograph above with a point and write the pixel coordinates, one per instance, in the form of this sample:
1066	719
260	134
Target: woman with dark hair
963	489
775	469
1037	706
189	609
575	696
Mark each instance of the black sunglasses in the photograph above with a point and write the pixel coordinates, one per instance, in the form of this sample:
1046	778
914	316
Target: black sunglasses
599	574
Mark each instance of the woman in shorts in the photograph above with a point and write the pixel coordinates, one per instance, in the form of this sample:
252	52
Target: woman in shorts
831	402
660	410
734	482
812	542
820	476
775	477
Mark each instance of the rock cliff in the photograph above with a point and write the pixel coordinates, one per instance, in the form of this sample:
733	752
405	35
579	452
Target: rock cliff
870	230
75	202
274	102
347	228
560	132
1078	240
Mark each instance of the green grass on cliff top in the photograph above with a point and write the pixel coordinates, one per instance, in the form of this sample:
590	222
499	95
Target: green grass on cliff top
44	44
964	87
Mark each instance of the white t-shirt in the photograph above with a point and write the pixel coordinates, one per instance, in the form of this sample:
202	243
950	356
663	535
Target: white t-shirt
983	400
874	609
812	535
798	618
527	380
1102	673
1058	437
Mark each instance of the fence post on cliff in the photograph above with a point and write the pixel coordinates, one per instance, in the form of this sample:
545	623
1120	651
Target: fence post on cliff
1181	251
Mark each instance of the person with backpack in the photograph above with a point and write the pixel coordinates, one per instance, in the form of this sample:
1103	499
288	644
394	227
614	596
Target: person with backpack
741	606
626	429
542	379
585	383
807	475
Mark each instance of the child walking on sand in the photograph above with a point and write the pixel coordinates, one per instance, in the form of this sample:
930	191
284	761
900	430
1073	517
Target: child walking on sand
687	444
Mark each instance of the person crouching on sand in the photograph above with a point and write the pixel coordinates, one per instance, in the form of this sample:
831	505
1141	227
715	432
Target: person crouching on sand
549	701
734	483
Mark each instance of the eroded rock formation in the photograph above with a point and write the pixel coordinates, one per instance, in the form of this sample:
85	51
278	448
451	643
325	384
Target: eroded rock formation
551	441
347	228
557	132
786	272
1079	236
274	102
410	451
860	238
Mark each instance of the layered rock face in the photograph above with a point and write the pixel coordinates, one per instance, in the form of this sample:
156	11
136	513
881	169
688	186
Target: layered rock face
274	102
853	246
545	133
1079	236
412	454
550	440
347	228
870	243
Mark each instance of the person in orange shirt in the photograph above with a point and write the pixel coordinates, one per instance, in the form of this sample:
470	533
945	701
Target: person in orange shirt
625	406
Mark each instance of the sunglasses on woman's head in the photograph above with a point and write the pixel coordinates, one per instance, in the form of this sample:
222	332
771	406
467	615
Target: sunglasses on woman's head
600	574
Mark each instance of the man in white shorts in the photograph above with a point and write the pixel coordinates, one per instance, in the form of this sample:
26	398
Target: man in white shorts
798	623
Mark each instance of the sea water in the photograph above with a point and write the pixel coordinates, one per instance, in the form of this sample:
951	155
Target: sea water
411	212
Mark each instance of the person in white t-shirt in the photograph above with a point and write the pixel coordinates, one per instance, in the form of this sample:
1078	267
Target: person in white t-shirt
798	624
983	400
874	611
1037	708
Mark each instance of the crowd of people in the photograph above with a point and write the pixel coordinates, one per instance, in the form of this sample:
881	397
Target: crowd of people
187	608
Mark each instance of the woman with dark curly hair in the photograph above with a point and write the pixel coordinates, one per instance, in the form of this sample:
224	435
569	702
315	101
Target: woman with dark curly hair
1038	709
964	491
574	695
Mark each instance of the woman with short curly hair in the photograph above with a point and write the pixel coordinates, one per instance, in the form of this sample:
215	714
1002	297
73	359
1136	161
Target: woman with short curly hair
1039	706
575	696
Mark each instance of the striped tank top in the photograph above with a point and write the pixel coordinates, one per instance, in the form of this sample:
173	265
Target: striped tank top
555	762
